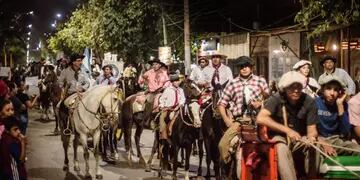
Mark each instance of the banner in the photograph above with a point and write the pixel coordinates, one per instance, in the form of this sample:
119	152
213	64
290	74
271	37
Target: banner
165	55
4	71
117	67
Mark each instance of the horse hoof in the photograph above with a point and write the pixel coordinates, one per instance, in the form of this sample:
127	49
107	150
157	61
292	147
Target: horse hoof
148	168
129	163
99	176
142	161
66	168
88	176
76	168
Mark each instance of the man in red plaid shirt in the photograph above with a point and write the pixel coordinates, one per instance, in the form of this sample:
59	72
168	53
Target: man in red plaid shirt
243	97
243	93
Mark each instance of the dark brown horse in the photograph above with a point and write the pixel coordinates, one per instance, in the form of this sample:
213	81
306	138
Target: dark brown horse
213	128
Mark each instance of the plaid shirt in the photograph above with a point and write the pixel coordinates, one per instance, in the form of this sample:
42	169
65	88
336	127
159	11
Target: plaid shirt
233	93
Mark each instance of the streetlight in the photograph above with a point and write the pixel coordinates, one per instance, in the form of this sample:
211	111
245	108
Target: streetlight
58	15
29	26
30	13
53	25
29	33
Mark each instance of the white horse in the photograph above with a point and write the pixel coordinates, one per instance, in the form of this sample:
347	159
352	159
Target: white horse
96	110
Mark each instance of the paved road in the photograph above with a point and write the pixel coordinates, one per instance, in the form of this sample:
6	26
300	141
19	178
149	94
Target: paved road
45	156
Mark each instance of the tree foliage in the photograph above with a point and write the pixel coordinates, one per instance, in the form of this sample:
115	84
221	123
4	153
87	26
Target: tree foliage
322	15
125	27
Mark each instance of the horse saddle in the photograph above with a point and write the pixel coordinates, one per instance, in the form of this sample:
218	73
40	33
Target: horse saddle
70	102
140	100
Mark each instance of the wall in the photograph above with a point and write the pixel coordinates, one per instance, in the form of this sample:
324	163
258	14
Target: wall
281	61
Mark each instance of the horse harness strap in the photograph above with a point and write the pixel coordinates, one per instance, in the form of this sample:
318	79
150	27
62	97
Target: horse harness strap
99	115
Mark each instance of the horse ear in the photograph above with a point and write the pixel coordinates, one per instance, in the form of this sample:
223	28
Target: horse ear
119	93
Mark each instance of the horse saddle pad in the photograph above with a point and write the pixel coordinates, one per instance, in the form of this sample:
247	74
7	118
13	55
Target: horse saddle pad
70	101
140	100
332	170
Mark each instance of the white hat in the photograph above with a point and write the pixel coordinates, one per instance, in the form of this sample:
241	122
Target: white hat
290	78
301	63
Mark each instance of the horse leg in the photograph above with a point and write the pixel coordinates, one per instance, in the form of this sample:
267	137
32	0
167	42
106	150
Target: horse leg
182	154
201	154
208	157
216	160
96	139
65	141
153	151
175	163
138	132
187	161
56	113
75	146
114	144
127	138
83	139
195	149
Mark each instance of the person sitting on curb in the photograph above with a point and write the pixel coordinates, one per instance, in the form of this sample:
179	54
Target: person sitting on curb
334	126
311	86
290	115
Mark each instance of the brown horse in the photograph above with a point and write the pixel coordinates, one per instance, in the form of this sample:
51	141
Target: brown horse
50	93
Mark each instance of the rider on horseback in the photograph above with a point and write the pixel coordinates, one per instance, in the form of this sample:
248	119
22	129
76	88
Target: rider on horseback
73	80
217	74
157	80
243	96
130	71
170	101
197	73
106	78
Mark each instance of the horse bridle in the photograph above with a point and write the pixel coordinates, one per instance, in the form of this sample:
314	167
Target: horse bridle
100	115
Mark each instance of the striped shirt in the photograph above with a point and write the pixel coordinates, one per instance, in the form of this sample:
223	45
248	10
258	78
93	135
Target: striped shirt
235	91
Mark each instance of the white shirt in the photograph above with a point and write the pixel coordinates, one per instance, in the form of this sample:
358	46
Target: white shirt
167	98
197	75
225	74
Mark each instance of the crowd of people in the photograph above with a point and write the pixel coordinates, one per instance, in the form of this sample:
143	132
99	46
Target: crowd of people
297	109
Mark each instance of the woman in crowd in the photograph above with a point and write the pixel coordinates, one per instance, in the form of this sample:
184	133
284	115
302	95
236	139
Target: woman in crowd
311	86
107	77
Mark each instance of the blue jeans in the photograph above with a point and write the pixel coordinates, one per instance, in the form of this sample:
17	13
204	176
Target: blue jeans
24	119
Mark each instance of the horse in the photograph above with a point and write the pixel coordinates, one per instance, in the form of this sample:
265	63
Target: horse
186	129
45	89
213	129
95	110
132	114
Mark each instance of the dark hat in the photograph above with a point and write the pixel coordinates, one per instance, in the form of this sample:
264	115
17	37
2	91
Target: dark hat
156	61
243	60
202	58
95	73
107	66
327	57
74	57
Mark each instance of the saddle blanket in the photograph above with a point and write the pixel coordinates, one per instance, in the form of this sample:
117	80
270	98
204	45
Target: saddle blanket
139	103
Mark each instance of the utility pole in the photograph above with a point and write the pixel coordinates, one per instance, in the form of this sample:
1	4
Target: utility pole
187	37
164	27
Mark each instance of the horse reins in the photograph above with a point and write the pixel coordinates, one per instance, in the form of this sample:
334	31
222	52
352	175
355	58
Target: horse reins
101	115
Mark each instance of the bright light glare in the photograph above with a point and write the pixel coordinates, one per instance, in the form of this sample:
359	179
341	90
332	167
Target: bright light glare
276	51
29	26
58	15
53	25
334	47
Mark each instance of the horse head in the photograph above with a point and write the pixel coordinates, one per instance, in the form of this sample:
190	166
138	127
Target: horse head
191	90
110	106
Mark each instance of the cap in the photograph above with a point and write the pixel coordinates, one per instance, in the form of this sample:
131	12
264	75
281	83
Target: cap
290	78
331	78
301	63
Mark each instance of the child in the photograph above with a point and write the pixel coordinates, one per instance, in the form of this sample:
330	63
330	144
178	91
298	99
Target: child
12	152
25	99
6	110
170	101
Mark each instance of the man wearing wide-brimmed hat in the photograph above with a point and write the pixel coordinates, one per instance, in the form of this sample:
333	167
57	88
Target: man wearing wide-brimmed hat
328	62
217	74
156	79
72	79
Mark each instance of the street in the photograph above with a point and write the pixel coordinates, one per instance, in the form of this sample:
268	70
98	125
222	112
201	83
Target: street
45	156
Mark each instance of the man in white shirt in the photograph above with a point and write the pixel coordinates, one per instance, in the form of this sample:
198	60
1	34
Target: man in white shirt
217	74
170	101
328	62
197	75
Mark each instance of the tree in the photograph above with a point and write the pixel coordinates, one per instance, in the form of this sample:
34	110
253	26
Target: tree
326	14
